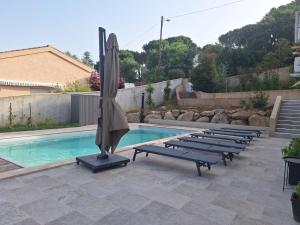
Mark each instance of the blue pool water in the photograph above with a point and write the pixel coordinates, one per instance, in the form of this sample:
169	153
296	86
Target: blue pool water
40	150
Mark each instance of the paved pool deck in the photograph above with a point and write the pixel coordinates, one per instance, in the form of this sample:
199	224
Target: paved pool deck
155	191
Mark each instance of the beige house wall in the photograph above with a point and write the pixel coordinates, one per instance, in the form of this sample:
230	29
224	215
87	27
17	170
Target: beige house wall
43	64
41	67
6	91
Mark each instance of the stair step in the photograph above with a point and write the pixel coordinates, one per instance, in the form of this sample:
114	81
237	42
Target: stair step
284	135
289	118
288	122
290	131
292	100
289	110
290	104
288	126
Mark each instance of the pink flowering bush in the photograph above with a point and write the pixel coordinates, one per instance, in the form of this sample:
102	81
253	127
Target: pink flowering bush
94	81
121	83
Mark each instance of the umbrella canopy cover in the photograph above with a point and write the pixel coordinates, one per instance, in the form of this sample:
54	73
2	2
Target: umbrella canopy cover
114	122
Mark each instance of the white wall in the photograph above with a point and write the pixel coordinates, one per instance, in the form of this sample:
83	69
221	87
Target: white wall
57	106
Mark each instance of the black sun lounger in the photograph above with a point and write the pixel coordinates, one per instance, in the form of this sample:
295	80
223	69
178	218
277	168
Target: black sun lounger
229	133
240	140
227	153
223	143
256	131
200	159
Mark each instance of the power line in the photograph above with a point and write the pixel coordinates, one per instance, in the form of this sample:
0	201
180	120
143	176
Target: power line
181	15
207	9
141	34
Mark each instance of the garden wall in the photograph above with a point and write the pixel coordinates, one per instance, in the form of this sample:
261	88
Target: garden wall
232	99
85	106
57	107
283	75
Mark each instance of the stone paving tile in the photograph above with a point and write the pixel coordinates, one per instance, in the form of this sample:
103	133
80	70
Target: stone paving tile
27	222
245	208
42	182
216	214
9	184
45	210
9	214
116	217
167	197
277	217
97	188
22	195
195	193
167	215
124	199
73	218
64	193
92	207
240	220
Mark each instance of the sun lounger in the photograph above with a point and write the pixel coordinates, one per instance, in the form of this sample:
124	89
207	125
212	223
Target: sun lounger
199	158
258	132
225	152
249	136
223	143
240	140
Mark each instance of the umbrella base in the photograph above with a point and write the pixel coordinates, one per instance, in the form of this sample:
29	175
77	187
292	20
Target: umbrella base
96	164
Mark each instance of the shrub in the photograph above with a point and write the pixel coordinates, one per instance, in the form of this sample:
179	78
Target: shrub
293	150
260	100
121	83
297	190
94	81
150	90
167	91
76	86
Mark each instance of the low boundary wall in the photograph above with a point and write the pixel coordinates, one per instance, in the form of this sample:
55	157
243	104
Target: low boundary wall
232	99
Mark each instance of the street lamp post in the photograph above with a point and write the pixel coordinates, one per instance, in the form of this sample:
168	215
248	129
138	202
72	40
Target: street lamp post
162	19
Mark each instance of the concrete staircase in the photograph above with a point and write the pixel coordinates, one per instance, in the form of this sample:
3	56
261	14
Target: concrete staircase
288	123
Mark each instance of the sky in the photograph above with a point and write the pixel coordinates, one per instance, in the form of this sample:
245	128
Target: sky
72	25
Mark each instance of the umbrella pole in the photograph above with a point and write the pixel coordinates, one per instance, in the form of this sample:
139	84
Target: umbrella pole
102	43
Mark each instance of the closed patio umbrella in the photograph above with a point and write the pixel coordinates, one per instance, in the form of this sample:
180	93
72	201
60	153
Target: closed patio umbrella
113	124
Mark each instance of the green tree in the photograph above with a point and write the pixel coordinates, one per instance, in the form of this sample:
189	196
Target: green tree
267	41
68	53
128	66
86	59
203	75
178	55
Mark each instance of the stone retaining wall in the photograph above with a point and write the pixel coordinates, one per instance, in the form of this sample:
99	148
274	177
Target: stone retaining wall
232	99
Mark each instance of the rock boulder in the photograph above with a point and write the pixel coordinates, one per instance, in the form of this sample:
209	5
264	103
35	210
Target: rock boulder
133	117
207	113
259	121
169	116
241	115
175	113
220	118
187	116
238	122
203	119
152	116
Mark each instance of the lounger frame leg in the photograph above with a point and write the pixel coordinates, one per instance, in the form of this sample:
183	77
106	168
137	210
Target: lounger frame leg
198	168
224	159
135	153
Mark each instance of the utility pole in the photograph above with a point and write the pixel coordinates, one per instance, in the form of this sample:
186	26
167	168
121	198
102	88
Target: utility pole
162	19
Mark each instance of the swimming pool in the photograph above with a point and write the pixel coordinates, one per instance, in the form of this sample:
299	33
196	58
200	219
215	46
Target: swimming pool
40	150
